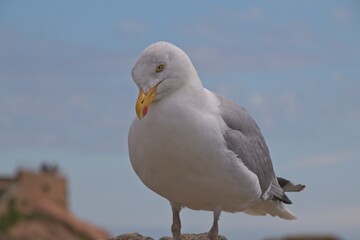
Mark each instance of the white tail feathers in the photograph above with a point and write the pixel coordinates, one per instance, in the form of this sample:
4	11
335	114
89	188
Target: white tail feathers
274	208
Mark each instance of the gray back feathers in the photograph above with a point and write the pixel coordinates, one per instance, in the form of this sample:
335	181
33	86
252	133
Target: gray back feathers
244	138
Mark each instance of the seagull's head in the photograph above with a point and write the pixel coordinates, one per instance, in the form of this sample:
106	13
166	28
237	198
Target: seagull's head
161	69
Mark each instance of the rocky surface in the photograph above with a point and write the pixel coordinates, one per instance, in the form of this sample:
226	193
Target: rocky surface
203	236
307	237
137	236
131	236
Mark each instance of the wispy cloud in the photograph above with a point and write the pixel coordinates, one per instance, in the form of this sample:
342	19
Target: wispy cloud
131	26
342	15
252	14
271	107
326	159
220	59
59	95
343	217
280	49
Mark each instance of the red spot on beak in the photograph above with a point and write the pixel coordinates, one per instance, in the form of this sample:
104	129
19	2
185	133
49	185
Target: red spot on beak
145	110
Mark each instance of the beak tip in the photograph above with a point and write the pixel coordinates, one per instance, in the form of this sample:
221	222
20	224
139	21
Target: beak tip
144	101
138	114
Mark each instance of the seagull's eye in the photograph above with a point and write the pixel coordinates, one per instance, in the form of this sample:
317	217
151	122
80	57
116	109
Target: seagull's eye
159	68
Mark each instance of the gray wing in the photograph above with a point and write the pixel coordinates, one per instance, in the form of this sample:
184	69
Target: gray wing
244	138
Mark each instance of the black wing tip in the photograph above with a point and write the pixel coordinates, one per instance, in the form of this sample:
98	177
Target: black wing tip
286	200
283	199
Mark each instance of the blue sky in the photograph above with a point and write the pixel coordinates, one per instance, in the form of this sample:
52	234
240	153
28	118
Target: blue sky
66	96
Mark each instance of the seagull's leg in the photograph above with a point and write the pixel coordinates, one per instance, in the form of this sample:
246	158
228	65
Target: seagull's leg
213	233
176	224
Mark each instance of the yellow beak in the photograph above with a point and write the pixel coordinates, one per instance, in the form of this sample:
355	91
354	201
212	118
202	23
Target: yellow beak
144	101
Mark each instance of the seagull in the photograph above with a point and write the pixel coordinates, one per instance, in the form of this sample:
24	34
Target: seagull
196	148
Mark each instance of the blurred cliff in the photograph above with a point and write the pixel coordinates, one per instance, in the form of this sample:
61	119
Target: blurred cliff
34	205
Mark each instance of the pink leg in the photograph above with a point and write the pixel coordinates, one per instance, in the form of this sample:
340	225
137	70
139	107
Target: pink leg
213	233
176	224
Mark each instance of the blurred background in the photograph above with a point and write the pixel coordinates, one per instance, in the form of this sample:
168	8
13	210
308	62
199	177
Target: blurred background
67	98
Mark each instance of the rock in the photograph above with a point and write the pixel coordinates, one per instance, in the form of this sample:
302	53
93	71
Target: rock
307	237
137	236
131	236
201	236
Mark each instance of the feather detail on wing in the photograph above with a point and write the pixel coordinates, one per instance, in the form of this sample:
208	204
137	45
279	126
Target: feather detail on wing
245	139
